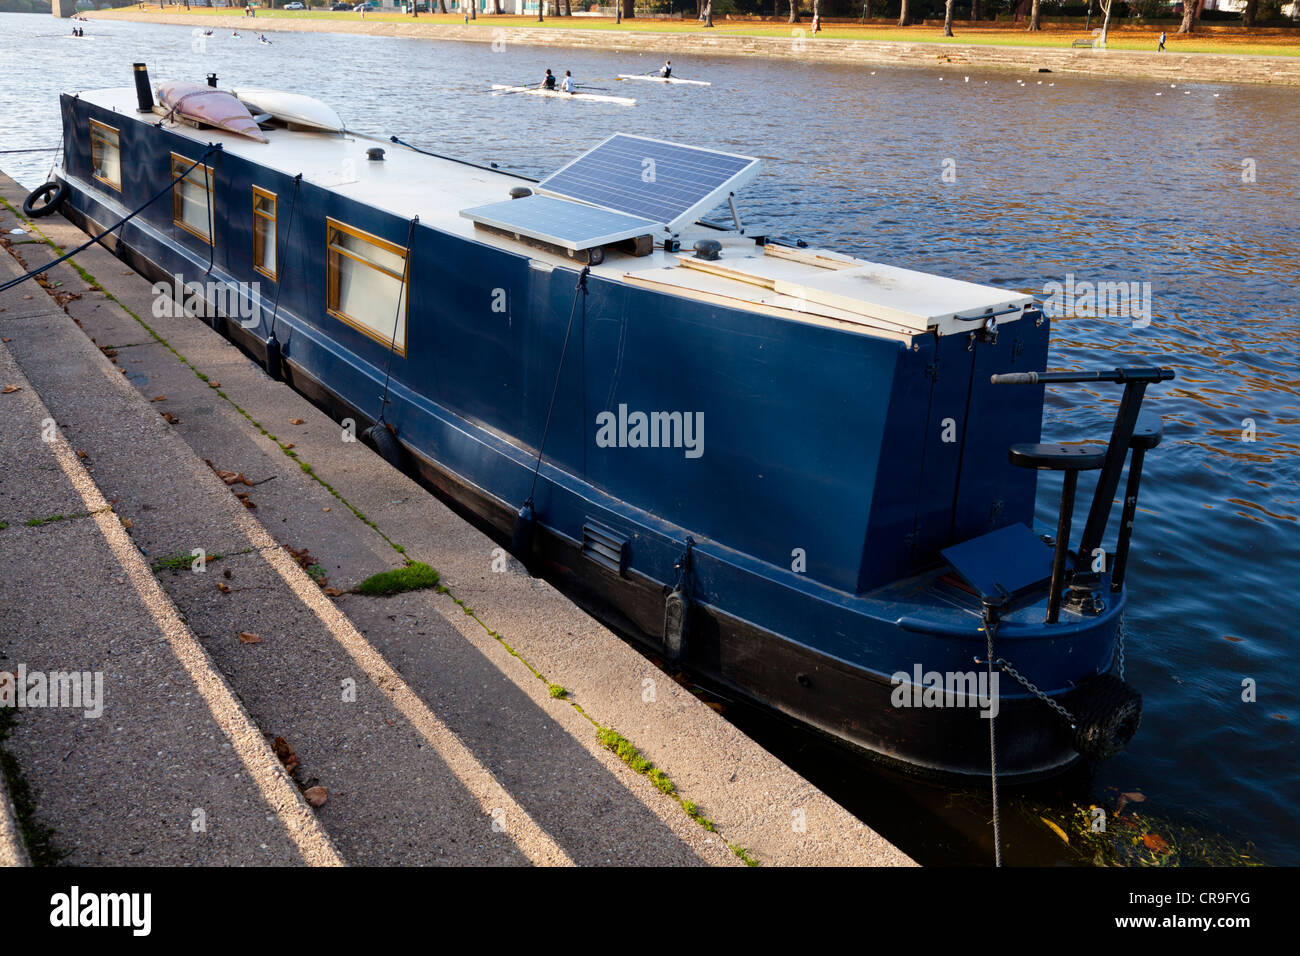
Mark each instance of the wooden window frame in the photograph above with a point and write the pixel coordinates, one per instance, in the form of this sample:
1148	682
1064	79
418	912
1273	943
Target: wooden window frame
117	135
176	196
273	218
331	281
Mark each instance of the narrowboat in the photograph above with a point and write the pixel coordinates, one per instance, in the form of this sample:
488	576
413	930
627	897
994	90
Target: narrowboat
806	476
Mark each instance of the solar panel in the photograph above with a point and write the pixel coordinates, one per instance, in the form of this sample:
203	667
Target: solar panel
664	182
571	225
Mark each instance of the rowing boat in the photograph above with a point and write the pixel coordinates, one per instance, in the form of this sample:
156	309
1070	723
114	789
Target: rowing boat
204	104
498	90
651	78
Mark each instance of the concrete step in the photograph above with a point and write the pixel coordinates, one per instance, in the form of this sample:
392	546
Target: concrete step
524	760
156	763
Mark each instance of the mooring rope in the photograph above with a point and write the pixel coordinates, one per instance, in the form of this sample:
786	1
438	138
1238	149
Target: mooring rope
555	390
9	284
990	626
279	261
401	300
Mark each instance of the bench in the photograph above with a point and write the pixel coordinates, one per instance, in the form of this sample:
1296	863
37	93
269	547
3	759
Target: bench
1082	43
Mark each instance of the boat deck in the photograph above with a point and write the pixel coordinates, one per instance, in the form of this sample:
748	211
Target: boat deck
806	285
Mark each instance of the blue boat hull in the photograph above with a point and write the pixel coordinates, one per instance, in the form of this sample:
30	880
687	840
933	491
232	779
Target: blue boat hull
815	516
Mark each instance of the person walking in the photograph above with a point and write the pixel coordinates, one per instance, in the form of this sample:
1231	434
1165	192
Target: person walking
1161	47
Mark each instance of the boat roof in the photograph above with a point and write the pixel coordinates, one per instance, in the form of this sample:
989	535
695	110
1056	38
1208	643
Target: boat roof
800	284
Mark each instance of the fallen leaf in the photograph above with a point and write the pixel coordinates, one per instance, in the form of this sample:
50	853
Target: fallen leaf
158	398
1135	797
1235	640
170	419
240	477
296	421
316	796
1055	829
5	340
10	389
248	638
214	384
223	587
248	502
1154	841
326	508
226	573
333	592
82	454
285	753
389	722
289	445
128	523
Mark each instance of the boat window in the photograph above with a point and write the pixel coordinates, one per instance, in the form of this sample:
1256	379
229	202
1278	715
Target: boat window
364	283
191	197
264	232
105	155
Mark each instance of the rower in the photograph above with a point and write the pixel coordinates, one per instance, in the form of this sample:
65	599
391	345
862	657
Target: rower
667	70
548	82
568	85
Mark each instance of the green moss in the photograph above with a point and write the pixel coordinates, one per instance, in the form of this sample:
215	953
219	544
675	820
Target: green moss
741	852
558	692
50	519
38	839
3	525
413	577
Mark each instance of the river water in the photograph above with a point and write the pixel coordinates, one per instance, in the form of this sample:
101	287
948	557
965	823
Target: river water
1189	191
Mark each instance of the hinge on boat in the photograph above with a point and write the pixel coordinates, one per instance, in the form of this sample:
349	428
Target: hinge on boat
605	547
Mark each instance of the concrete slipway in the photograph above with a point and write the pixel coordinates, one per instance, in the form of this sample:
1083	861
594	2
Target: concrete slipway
428	718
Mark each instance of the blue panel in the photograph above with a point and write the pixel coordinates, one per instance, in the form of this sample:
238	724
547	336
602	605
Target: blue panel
571	224
1005	562
646	177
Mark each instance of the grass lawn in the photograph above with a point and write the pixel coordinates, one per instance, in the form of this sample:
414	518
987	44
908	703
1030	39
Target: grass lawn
1234	41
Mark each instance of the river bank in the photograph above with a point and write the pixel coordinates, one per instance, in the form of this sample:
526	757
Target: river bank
798	46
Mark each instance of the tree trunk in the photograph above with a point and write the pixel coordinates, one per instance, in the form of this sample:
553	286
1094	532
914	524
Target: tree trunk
629	9
794	11
974	9
1248	15
442	6
1033	16
904	15
1190	13
496	8
1105	22
947	18
708	14
568	11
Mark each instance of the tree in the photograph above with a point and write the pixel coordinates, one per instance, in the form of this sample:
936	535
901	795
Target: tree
947	18
708	14
974	9
1191	10
1033	16
442	6
568	11
1248	15
794	11
1105	22
629	9
472	5
904	15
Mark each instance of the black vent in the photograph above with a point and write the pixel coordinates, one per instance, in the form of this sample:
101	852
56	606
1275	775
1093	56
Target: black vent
607	548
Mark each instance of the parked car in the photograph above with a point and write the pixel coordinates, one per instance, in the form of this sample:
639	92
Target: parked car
294	6
422	8
340	6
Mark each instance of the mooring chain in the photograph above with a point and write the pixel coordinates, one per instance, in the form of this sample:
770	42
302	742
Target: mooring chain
1033	689
1119	648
